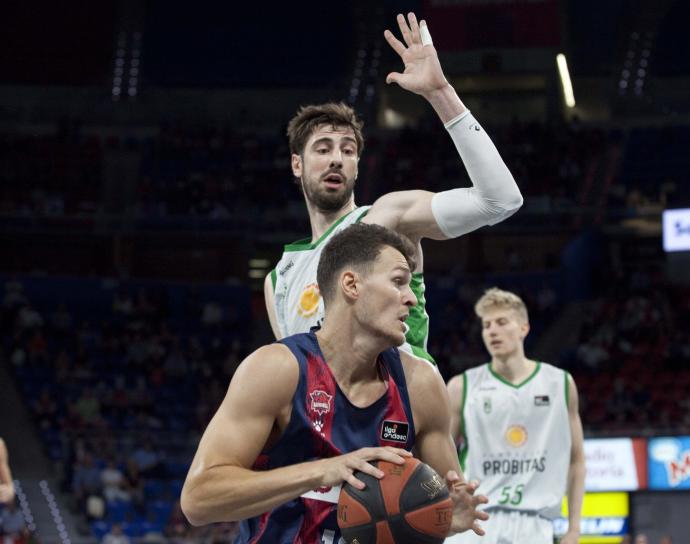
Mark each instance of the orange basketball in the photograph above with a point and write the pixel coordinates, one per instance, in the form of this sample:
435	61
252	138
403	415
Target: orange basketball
409	504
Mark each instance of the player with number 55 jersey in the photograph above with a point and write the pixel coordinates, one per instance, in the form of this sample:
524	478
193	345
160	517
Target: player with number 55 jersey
520	430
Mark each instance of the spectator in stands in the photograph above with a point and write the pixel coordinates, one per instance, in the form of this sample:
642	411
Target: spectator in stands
641	538
45	410
114	483
88	408
115	536
86	479
135	485
148	460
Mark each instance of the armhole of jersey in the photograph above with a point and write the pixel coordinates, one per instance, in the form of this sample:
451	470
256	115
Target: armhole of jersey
274	279
465	446
364	213
567	390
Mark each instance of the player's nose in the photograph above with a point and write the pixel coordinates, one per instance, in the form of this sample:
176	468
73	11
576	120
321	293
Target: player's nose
408	297
337	158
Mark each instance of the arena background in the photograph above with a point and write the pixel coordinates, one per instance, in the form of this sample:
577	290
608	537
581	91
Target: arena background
145	192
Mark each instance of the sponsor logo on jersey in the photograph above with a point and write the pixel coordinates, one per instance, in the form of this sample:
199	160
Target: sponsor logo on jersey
487	405
516	436
513	466
433	486
309	300
542	400
395	431
287	267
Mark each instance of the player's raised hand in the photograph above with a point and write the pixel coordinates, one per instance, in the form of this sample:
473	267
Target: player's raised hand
465	513
423	73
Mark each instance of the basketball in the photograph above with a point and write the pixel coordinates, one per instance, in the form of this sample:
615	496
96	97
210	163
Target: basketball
409	504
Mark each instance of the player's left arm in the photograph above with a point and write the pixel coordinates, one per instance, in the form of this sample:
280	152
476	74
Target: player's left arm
494	195
434	445
576	472
6	482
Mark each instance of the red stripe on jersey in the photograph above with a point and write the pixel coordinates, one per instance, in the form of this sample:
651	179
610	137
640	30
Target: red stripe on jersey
320	402
263	523
315	513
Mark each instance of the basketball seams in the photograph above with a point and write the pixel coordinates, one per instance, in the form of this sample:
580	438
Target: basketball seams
392	484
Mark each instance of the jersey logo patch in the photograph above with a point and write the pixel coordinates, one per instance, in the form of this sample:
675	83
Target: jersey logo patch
516	436
542	400
309	300
395	431
320	402
487	405
319	406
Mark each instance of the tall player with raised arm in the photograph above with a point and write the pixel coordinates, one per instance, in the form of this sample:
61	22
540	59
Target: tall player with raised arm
521	429
326	143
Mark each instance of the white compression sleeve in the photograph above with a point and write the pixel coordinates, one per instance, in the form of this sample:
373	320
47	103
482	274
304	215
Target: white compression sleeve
494	195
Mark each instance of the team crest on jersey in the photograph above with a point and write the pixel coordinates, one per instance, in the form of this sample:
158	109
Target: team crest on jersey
487	405
516	436
320	405
309	300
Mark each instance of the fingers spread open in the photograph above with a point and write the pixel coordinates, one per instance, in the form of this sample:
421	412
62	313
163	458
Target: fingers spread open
414	28
404	29
394	42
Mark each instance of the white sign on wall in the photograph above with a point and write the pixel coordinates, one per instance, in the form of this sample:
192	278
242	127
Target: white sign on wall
615	464
676	227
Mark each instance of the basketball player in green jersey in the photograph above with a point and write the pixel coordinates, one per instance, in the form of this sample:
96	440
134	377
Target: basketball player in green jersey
326	143
521	431
6	482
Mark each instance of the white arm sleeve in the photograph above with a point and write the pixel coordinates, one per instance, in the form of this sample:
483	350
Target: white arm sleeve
494	195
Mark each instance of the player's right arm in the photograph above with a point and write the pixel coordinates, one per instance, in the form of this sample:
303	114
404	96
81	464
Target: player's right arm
456	394
269	297
6	482
221	485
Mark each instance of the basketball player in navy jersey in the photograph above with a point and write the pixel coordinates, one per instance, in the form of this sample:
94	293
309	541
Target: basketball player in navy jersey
302	414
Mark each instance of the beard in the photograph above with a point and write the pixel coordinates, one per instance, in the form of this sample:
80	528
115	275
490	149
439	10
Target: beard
327	200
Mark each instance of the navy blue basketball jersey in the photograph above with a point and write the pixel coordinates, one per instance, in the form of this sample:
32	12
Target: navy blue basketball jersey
324	423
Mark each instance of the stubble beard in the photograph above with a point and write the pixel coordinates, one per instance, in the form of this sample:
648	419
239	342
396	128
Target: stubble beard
327	201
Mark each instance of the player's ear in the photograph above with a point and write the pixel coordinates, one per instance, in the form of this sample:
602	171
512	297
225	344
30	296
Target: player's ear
349	284
296	163
524	329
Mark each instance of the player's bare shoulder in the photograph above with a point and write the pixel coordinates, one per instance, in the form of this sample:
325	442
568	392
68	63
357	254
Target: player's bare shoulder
272	372
421	376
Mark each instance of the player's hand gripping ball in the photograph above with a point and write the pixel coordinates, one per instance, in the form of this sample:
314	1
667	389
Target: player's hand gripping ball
410	504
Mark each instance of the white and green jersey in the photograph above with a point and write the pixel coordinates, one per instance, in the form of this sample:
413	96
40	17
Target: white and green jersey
298	303
517	438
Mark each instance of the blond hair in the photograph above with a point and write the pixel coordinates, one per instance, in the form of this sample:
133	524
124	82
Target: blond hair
498	299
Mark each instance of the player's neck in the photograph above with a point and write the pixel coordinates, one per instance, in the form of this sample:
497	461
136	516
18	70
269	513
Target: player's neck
321	220
514	368
351	357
